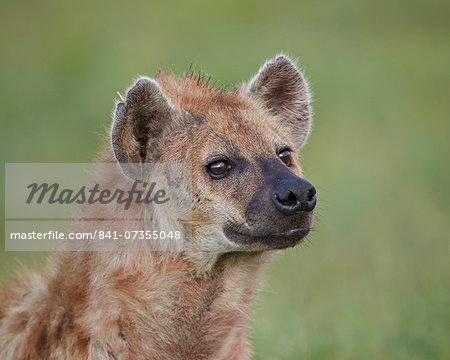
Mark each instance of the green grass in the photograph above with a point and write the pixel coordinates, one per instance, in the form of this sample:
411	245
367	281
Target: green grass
373	281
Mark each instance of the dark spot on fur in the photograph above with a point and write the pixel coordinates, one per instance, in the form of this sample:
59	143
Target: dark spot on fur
59	329
200	121
112	355
43	344
197	121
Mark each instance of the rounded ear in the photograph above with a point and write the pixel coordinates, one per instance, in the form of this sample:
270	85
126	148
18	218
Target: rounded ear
281	89
138	122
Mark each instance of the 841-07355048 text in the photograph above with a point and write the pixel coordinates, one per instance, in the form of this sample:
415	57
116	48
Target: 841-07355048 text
98	235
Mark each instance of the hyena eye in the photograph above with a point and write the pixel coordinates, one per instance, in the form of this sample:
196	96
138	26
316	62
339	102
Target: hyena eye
285	156
218	169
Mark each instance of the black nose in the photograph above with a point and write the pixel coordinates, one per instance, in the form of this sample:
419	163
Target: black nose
293	196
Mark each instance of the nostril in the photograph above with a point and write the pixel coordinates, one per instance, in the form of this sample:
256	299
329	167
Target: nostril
288	200
311	194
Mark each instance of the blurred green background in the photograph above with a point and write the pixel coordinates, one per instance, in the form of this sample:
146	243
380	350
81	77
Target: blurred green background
373	280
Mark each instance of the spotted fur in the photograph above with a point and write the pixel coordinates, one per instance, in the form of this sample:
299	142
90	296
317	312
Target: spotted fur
193	304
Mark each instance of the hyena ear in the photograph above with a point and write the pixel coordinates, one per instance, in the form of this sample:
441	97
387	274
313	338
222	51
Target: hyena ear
138	122
281	89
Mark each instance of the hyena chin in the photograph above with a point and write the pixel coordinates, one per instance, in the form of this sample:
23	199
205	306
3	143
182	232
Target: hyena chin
247	186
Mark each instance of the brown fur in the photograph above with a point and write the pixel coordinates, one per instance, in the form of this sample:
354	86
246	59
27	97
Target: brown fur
161	305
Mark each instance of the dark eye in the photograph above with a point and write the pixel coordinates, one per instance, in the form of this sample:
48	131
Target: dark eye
219	168
285	156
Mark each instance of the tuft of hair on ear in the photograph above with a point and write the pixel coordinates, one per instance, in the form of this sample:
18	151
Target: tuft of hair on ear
138	122
282	90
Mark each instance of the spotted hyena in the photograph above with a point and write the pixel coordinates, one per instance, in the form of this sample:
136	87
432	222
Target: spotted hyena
249	191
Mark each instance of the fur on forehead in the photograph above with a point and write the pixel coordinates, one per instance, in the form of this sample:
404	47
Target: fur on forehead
194	92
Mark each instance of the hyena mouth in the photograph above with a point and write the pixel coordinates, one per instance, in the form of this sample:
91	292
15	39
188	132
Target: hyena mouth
279	240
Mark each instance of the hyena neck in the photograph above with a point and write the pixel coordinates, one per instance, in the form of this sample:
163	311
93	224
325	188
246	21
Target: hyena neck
132	297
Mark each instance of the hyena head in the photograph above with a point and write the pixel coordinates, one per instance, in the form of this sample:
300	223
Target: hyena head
242	146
